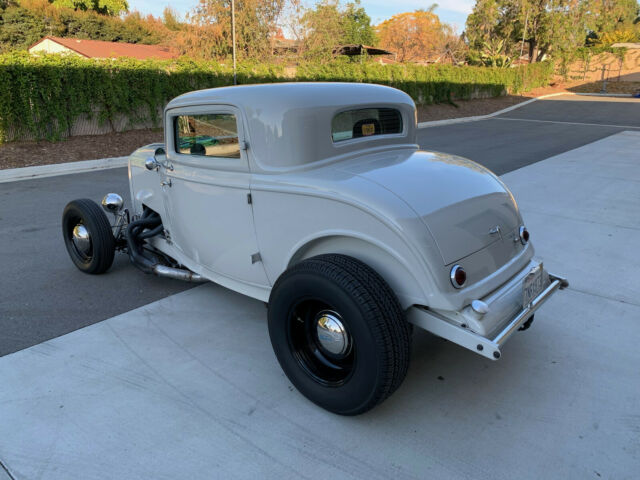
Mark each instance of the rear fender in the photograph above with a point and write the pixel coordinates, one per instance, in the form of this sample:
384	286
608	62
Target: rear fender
394	270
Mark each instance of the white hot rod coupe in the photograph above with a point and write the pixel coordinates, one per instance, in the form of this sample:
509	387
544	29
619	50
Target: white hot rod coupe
315	198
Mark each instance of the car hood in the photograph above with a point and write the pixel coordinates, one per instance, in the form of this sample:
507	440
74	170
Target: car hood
459	201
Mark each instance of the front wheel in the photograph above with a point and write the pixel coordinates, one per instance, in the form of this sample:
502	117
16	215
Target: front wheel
339	333
88	236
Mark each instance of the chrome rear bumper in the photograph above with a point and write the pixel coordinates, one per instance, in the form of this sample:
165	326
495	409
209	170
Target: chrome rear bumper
489	347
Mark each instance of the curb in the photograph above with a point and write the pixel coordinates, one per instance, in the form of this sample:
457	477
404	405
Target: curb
624	95
450	121
41	171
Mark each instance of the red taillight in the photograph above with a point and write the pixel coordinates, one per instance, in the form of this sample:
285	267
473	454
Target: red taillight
458	276
524	235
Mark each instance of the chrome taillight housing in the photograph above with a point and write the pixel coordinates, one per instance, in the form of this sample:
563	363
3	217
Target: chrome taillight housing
458	276
524	235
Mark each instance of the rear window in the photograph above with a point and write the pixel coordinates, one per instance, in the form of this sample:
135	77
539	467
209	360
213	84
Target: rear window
365	122
213	135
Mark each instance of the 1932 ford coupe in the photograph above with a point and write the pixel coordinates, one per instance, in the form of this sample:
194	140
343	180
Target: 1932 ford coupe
316	199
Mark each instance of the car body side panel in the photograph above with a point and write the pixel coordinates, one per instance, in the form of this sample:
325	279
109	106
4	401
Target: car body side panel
292	227
209	215
211	221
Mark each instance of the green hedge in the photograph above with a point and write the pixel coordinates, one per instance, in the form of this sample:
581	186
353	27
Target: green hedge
435	83
43	96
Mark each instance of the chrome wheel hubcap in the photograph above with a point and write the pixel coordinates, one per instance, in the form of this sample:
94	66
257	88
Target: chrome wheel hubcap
332	335
81	239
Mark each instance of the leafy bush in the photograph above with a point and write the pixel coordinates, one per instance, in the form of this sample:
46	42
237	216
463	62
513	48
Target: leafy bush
43	96
434	83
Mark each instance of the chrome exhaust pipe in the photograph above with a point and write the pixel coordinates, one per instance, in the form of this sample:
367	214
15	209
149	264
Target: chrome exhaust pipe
178	274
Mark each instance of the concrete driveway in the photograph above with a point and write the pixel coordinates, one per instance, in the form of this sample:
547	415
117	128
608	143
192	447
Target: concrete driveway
188	387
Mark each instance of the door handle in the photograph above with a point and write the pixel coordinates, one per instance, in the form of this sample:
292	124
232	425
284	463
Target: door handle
165	183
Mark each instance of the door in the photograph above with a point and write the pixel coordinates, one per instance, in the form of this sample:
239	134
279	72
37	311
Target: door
206	191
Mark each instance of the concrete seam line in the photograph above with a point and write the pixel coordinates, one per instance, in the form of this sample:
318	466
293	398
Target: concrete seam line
450	121
41	171
4	467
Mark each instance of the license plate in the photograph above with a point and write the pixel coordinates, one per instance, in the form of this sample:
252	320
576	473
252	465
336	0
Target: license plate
532	285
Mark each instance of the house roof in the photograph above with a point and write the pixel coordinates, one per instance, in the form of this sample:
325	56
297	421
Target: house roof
357	49
100	49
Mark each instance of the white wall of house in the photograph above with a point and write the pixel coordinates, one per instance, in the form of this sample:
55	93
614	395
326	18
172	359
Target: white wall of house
49	46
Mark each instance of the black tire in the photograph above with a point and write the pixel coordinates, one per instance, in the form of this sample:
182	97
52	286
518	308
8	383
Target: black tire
99	256
377	332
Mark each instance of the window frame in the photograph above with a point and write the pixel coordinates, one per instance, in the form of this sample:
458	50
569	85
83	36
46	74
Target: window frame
205	161
368	138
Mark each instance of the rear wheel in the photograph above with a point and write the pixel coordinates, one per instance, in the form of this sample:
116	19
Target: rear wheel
88	236
339	333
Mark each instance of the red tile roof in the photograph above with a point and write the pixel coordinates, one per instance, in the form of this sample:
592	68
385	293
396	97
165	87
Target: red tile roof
100	49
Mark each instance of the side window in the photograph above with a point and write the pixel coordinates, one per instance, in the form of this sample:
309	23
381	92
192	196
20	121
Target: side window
210	135
365	122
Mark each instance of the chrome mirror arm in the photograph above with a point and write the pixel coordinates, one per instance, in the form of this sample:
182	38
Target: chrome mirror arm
151	164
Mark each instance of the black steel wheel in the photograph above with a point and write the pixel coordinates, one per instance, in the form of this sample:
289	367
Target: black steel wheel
339	333
88	236
320	342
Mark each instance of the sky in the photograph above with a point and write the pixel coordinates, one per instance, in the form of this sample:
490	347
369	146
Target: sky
453	12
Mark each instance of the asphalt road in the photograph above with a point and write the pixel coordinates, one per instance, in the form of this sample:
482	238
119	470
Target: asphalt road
534	132
42	295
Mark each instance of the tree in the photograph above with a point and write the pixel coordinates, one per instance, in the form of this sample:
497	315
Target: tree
24	24
329	25
611	15
615	21
105	7
415	36
547	27
482	23
323	30
171	20
19	28
357	26
210	32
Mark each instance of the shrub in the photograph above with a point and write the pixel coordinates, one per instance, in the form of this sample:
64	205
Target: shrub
434	83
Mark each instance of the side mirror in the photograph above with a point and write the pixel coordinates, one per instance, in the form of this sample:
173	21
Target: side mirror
157	160
151	163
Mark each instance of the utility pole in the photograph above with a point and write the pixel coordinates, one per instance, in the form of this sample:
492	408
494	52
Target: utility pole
524	33
233	39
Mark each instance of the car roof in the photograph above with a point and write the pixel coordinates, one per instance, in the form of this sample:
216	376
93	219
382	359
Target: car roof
289	124
294	94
